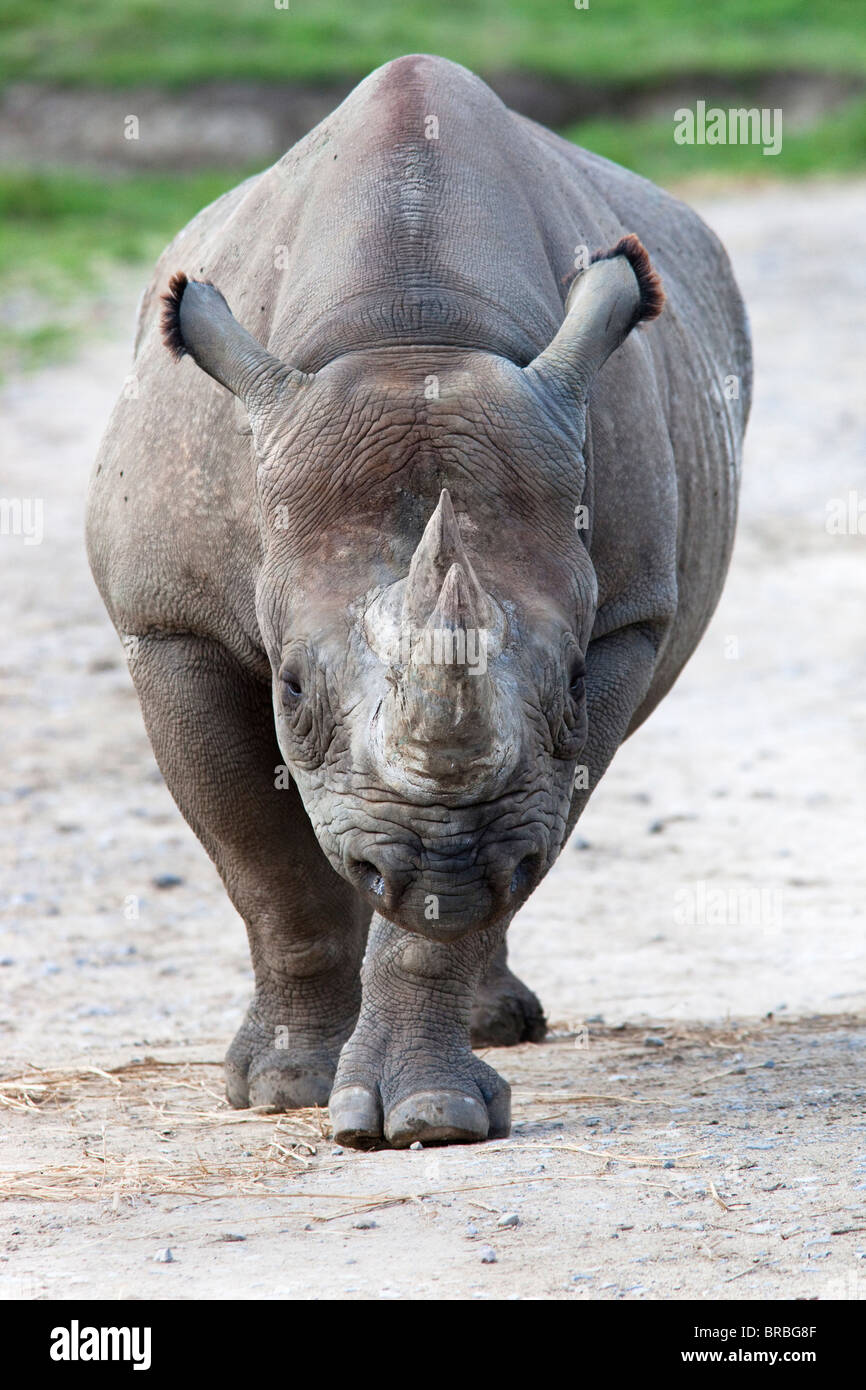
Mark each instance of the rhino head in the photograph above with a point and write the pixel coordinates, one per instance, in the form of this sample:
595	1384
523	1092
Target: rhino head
423	593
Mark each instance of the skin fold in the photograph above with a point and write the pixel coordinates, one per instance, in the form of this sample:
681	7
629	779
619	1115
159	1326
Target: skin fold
422	382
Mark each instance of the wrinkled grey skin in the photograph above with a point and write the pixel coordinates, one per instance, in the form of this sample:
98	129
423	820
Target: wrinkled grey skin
250	543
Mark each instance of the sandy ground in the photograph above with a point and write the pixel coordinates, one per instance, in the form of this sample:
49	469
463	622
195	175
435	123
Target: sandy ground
695	1125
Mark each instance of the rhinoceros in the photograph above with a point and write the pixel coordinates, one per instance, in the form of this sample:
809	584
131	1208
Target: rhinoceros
425	494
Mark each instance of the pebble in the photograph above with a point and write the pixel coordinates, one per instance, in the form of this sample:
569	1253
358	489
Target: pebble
365	1224
653	1042
167	881
509	1219
669	1163
488	1255
471	1232
416	1145
164	1257
337	1151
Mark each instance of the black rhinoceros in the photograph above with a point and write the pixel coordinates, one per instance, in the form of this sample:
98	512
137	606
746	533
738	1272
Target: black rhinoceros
402	546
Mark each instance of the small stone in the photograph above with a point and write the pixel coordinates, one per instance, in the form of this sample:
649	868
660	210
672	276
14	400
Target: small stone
167	881
471	1232
653	1042
416	1145
669	1163
509	1219
488	1255
365	1224
337	1151
164	1257
227	1235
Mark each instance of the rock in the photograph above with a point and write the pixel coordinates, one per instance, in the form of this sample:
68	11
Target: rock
416	1145
167	881
337	1151
509	1219
366	1223
653	1042
164	1257
488	1255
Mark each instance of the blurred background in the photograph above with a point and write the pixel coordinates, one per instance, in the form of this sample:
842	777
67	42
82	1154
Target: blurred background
220	88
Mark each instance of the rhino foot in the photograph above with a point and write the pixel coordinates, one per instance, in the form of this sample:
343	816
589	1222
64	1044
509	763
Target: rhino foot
463	1106
408	1074
506	1012
260	1070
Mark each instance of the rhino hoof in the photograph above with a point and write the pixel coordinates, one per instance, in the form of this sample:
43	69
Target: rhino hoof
447	1117
356	1117
425	1117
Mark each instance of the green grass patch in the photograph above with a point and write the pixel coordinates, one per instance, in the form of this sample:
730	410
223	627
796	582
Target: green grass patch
178	42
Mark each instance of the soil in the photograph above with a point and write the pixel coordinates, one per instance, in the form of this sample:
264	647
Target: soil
695	1124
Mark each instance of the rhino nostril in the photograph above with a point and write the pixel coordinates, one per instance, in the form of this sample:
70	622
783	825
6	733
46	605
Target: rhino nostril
524	873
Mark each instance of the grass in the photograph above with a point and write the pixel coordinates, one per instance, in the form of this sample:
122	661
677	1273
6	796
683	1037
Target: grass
178	42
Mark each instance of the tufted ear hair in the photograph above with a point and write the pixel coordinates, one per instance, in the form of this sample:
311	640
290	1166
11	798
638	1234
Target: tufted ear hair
196	320
618	290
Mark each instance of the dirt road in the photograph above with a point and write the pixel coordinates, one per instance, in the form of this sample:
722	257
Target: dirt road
696	1125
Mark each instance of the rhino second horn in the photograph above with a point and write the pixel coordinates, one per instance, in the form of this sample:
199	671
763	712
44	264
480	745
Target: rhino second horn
444	712
440	547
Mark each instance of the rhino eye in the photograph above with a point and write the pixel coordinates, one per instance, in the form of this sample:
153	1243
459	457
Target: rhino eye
576	679
290	683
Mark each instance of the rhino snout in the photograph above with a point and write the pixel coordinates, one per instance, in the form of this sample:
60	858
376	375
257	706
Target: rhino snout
445	895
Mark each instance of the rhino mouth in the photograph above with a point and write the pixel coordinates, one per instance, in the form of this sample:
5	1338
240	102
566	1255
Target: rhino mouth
445	894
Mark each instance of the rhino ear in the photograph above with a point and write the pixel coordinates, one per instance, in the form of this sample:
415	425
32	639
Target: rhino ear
617	291
196	320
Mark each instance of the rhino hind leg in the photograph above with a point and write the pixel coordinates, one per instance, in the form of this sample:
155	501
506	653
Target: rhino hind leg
506	1011
211	727
408	1073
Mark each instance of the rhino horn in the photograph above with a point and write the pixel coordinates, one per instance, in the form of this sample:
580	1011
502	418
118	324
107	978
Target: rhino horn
440	547
442	719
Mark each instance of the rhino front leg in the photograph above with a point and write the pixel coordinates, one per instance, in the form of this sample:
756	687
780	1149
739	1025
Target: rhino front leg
506	1011
211	727
408	1073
